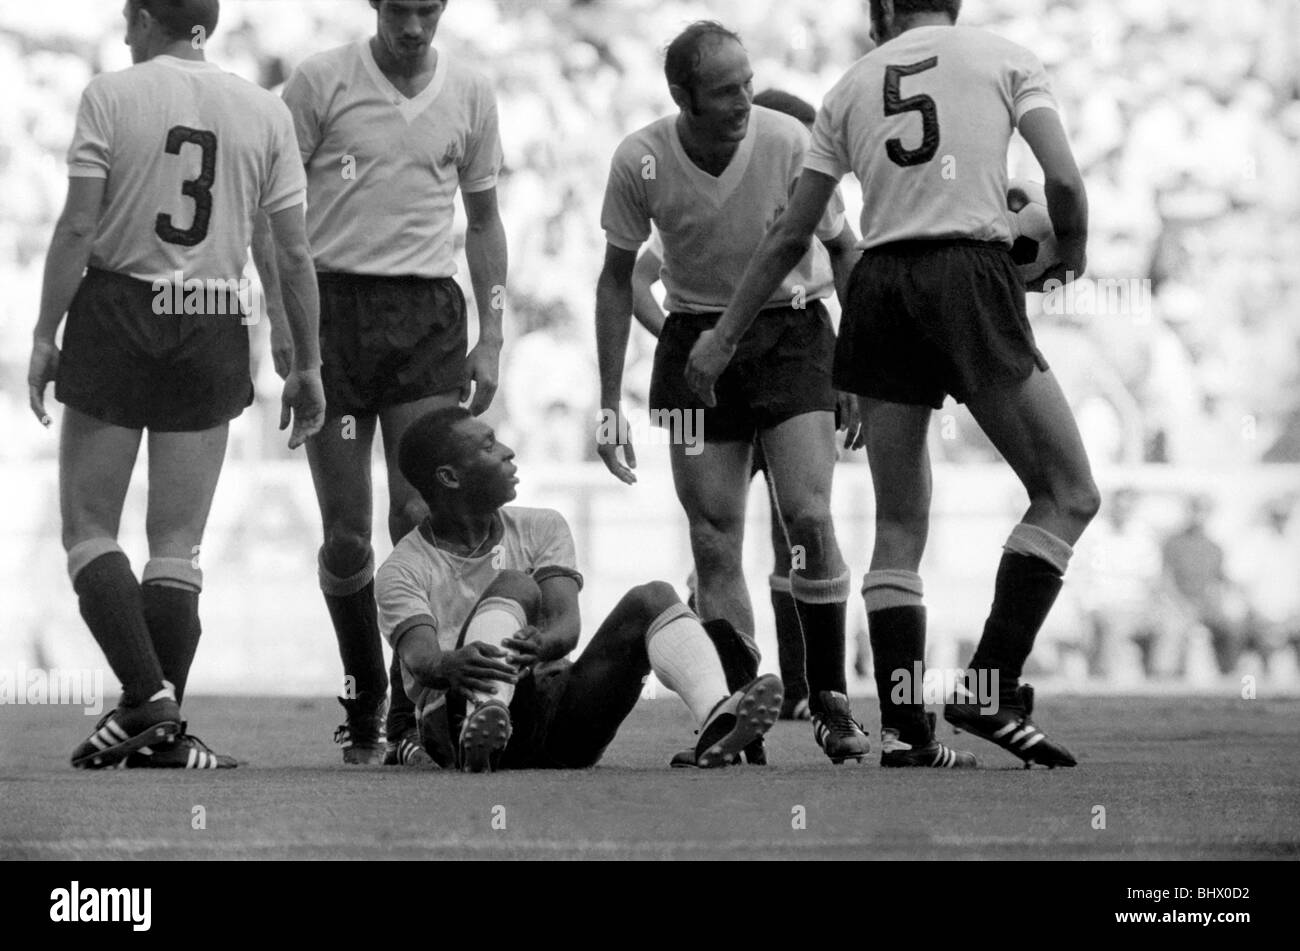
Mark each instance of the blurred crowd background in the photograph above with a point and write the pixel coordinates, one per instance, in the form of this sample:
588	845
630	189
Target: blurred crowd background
1185	117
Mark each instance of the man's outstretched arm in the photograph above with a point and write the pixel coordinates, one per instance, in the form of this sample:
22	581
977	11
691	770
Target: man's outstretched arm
782	248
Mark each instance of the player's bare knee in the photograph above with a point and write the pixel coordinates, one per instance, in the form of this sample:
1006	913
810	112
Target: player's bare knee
518	587
1085	501
716	546
811	528
1077	500
344	551
651	599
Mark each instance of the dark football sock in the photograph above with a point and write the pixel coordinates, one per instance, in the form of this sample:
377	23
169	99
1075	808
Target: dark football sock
739	664
823	631
820	604
898	644
356	626
110	602
401	711
789	645
1024	593
173	617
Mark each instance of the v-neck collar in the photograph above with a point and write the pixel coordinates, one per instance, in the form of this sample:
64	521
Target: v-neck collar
718	189
411	107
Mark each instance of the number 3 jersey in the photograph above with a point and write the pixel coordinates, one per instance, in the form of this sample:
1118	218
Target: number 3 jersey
190	153
924	121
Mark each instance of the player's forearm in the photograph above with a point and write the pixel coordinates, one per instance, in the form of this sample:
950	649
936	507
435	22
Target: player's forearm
421	655
486	253
843	261
775	259
1067	204
64	266
559	636
301	299
613	327
264	261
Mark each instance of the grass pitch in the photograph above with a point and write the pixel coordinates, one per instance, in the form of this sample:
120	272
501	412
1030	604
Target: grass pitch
1171	777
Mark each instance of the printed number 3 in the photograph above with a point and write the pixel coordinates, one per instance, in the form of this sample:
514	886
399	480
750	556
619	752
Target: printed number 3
895	104
199	189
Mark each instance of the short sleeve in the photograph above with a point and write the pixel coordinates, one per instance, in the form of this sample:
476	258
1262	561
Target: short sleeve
300	97
402	599
1028	85
286	181
555	554
90	152
482	162
832	220
828	153
624	215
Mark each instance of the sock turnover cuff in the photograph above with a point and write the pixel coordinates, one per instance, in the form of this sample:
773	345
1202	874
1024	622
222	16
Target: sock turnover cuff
820	590
1026	539
83	553
182	571
337	587
508	605
666	617
892	588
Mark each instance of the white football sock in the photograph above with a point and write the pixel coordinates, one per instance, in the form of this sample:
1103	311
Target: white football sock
685	660
494	621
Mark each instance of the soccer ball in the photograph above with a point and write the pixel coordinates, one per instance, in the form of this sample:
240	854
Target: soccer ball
1033	247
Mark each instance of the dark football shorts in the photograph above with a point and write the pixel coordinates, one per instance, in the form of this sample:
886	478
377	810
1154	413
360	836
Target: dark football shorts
125	364
386	341
536	742
781	369
543	735
552	722
925	319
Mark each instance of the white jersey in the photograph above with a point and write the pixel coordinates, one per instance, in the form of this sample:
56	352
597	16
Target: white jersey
383	169
711	226
420	583
924	121
189	152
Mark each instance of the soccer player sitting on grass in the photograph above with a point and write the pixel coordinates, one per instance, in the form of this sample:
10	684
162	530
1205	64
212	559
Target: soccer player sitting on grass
480	603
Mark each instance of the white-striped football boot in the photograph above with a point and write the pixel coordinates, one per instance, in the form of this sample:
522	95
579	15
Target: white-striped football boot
894	752
187	752
1009	726
124	730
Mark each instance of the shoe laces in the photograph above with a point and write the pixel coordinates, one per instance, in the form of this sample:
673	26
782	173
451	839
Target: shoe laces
840	722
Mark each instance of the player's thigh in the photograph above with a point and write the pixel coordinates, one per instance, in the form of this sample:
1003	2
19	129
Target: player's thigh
393	422
801	457
1031	424
897	450
339	456
95	464
183	473
713	484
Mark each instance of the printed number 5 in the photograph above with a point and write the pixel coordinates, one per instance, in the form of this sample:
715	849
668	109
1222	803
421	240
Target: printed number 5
199	189
895	104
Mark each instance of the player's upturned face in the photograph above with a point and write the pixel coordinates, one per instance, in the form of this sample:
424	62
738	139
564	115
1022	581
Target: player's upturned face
488	474
724	93
407	27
